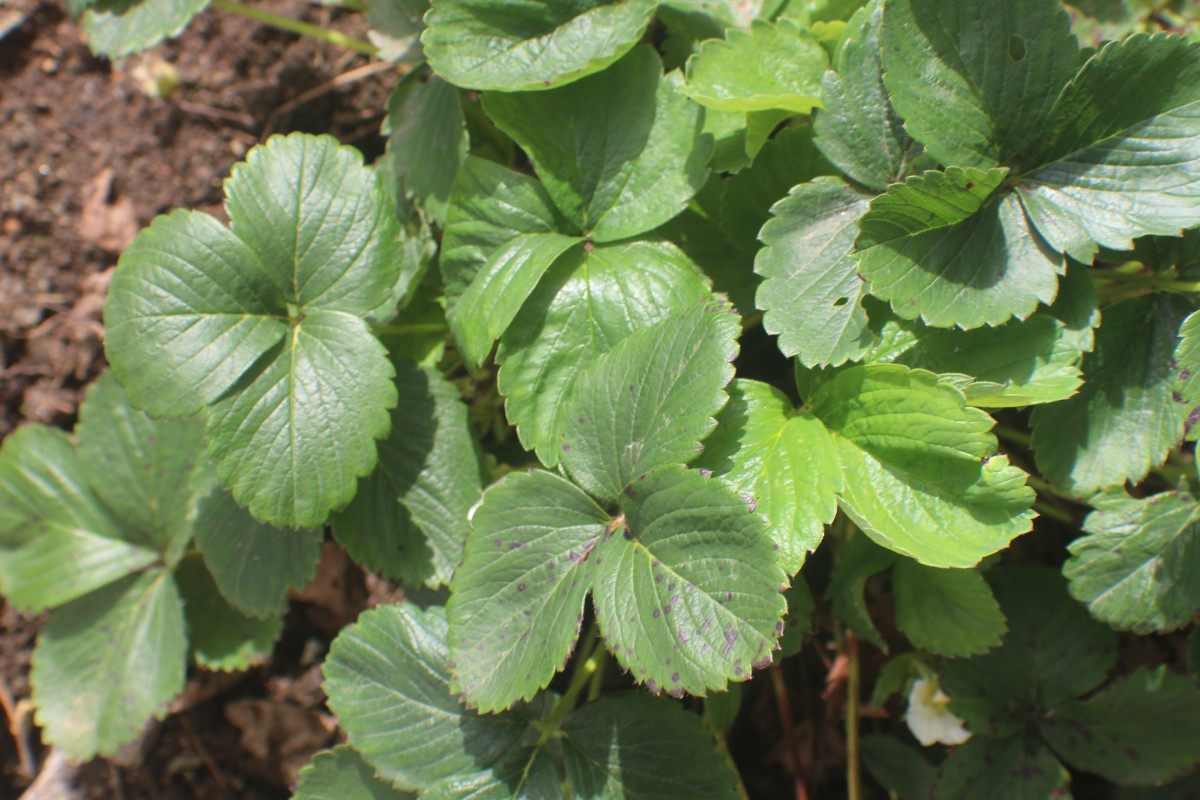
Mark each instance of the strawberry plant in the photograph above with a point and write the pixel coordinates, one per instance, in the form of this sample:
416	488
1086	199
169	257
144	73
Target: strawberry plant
770	318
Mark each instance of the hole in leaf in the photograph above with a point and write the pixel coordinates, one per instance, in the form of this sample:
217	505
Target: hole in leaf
1016	48
841	301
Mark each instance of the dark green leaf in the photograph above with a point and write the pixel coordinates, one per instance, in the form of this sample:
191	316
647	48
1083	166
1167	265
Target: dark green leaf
219	636
396	28
427	135
1013	768
899	767
859	559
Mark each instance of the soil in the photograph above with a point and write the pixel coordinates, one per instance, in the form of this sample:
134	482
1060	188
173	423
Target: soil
90	157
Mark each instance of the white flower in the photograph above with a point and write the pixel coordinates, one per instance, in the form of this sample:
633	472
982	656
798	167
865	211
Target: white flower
929	718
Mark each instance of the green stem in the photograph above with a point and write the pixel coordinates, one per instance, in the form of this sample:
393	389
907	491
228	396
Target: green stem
584	670
723	749
409	328
296	26
1154	282
597	683
853	771
1013	435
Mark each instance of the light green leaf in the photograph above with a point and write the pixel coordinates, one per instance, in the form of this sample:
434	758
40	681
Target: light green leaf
499	289
858	129
396	28
975	82
859	559
490	206
811	293
409	518
148	473
650	400
945	247
1138	569
784	459
253	564
511	46
613	176
950	612
219	636
57	540
687	590
118	28
921	474
1124	418
774	65
341	774
107	662
1142	729
1120	158
517	601
586	303
386	677
629	745
1013	768
427	135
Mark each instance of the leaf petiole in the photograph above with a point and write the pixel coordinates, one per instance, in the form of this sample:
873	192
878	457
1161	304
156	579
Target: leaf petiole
296	26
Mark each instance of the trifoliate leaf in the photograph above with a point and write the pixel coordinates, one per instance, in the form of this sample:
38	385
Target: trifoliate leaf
950	612
490	207
631	745
409	518
975	82
396	28
613	176
427	136
341	774
859	559
511	46
149	473
107	662
517	601
1053	652
1124	418
57	540
784	459
1119	158
253	564
921	477
1138	568
387	681
219	636
650	400
946	247
1142	729
1013	768
898	767
858	130
260	321
811	293
120	29
774	65
586	303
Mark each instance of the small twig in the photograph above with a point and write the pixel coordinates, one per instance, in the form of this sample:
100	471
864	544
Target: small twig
784	704
853	770
345	79
202	751
114	780
238	118
18	727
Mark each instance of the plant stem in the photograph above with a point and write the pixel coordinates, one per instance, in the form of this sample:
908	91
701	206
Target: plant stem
409	328
1154	282
853	772
723	749
1013	435
584	670
296	26
784	704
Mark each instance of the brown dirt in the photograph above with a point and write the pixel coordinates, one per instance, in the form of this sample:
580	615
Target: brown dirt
89	158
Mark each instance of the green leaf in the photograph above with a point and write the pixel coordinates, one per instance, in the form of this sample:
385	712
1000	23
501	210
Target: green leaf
950	612
514	46
650	400
107	662
409	518
721	708
524	773
148	473
517	601
811	293
858	130
118	28
1053	652
945	247
57	539
859	559
260	321
1119	158
586	303
1186	789
1187	365
490	206
386	677
1013	768
219	636
253	564
631	745
975	82
773	65
921	477
687	590
899	767
1124	418
1142	729
782	458
613	176
1138	569
427	135
396	28
341	774
799	619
